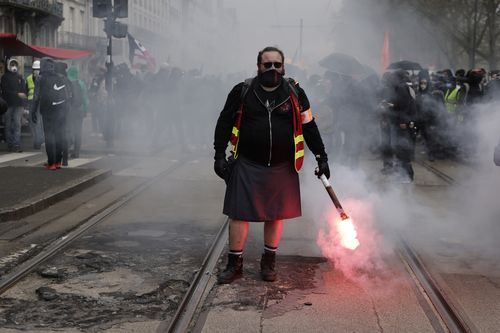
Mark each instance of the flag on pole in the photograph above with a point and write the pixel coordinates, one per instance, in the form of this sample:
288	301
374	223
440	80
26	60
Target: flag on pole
385	54
139	55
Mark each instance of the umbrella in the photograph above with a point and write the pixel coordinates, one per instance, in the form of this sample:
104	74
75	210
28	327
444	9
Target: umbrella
342	64
405	65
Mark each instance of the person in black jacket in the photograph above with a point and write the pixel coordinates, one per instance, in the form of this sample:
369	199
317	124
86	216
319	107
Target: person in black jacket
267	119
14	91
430	108
401	115
60	69
51	95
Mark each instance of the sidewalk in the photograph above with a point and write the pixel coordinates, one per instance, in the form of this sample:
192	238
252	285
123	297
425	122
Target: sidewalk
26	190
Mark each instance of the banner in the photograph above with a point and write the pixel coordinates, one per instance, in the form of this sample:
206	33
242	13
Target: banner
385	53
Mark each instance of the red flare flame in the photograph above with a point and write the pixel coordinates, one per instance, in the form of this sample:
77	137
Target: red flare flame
347	233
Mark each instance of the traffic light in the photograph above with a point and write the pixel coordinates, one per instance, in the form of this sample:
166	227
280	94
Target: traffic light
101	8
121	8
119	30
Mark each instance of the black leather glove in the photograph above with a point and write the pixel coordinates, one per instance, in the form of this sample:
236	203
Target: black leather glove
221	166
323	168
34	118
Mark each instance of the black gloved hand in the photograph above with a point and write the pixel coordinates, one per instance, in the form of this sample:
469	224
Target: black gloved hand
323	168
221	166
34	118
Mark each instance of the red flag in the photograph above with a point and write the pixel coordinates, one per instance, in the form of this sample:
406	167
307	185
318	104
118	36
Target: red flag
385	54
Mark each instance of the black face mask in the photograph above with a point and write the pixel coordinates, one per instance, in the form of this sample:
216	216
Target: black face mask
270	78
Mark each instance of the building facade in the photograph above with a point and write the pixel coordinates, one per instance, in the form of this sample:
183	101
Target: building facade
33	21
184	33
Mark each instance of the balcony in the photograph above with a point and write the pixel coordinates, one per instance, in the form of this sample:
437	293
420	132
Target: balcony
50	7
73	40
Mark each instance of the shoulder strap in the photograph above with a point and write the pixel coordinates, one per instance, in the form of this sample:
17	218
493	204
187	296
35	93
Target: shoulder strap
246	86
292	84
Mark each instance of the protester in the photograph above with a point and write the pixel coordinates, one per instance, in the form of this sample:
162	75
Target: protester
79	107
13	90
36	129
401	120
60	69
267	119
51	95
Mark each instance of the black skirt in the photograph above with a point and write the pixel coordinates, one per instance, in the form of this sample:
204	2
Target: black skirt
259	193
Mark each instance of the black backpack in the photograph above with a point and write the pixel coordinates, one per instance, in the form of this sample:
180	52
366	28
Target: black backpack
77	98
53	92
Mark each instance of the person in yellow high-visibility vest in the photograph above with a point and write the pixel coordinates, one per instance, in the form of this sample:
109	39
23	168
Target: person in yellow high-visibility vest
36	128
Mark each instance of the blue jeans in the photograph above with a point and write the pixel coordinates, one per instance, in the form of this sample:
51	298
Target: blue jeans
13	126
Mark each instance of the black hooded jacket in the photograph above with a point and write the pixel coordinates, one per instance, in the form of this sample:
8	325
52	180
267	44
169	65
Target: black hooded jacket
266	134
48	80
399	94
12	84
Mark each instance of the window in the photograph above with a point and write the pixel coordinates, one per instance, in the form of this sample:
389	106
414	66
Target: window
72	19
84	25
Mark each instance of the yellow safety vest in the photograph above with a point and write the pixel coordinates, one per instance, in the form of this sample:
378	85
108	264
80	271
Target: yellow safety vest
451	99
31	87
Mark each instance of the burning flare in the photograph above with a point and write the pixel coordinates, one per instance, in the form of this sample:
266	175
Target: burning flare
345	228
347	233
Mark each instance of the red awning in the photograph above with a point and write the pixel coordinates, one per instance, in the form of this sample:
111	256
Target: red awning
12	46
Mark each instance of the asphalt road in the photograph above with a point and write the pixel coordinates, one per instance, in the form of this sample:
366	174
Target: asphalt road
129	273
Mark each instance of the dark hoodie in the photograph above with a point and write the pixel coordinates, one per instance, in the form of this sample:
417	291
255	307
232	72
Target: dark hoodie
48	77
398	94
11	85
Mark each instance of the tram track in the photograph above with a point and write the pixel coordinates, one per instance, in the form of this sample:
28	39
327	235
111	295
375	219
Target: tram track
200	285
445	307
445	310
56	246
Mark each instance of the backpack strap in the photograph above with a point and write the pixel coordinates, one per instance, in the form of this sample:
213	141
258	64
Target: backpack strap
292	84
246	86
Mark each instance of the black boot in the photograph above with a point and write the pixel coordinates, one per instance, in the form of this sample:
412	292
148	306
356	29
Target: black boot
267	263
233	271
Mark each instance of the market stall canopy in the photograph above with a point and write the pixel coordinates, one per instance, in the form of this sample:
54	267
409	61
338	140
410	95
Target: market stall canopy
12	46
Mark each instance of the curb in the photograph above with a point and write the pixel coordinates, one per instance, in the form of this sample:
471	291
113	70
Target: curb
52	196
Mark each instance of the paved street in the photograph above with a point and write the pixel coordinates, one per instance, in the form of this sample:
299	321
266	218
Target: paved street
129	273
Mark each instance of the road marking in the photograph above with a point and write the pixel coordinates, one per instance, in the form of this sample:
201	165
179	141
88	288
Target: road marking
76	162
16	156
14	256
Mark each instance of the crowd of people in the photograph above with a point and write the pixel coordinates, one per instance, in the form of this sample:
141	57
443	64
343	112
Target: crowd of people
57	101
386	115
391	114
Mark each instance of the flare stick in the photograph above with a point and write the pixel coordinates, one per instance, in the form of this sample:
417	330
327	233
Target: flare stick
334	198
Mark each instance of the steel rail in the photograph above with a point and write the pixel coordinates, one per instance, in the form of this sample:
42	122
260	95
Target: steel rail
182	319
50	250
438	172
455	320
